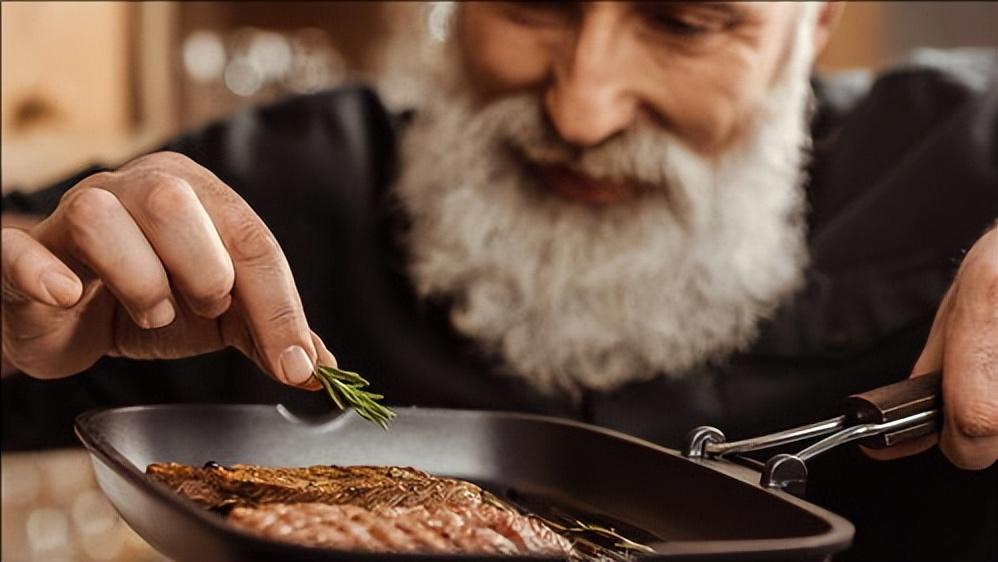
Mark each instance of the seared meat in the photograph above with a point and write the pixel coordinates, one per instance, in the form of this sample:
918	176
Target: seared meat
368	508
364	486
483	529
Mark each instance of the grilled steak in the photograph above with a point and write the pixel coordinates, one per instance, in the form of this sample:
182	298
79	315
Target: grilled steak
369	487
483	529
366	508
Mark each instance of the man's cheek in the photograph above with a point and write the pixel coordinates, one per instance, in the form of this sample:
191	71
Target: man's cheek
495	68
709	122
716	114
498	57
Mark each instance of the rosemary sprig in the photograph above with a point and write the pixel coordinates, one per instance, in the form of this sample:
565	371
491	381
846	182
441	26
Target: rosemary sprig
347	388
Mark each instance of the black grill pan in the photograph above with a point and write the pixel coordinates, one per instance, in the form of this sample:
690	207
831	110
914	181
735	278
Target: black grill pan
697	509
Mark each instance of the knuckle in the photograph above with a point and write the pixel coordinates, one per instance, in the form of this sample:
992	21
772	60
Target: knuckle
164	159
252	242
99	179
89	207
284	315
167	194
979	419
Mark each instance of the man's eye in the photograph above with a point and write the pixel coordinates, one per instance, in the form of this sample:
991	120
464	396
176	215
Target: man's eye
679	26
688	21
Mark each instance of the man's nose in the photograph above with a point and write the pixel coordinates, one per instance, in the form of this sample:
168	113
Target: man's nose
589	99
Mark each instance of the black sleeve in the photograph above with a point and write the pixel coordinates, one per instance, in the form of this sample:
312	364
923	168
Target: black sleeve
307	166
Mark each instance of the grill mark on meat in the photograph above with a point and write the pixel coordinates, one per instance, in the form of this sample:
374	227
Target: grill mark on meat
365	486
367	508
426	537
484	529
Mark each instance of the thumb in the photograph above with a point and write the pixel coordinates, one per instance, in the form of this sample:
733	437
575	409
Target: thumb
40	332
32	273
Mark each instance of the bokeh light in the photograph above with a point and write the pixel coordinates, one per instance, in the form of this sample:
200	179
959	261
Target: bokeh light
204	56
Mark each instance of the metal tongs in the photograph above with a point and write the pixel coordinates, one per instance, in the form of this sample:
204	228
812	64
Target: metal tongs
879	418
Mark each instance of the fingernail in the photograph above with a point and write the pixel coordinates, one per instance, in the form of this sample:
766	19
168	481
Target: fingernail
160	315
296	365
63	290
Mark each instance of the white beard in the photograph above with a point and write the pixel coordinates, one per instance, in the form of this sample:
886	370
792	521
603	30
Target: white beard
571	296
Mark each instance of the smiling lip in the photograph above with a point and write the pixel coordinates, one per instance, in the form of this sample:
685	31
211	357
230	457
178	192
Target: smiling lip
576	187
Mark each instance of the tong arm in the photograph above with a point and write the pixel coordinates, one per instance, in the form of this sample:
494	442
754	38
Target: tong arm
919	420
713	448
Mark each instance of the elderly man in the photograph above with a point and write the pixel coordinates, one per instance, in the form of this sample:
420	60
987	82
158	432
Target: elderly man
645	215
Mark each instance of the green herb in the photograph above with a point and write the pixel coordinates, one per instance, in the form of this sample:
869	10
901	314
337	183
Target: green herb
347	388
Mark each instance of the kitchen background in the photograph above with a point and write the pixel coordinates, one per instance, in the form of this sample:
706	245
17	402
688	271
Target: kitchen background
100	81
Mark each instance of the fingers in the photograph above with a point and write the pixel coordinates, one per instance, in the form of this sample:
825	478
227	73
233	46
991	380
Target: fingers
164	226
263	282
269	298
236	333
178	227
964	344
44	305
32	272
95	229
237	252
970	430
930	360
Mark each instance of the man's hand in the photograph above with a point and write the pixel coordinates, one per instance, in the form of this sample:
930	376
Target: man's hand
158	259
964	344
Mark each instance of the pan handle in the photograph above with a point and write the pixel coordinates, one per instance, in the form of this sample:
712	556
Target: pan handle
897	401
878	418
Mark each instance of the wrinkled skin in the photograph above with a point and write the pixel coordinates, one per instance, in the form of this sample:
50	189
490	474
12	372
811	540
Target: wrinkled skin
156	260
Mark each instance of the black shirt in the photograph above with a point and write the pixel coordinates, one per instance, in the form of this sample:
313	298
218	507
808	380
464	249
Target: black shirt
903	180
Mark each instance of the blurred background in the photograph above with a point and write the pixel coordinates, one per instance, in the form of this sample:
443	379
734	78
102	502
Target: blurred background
101	81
